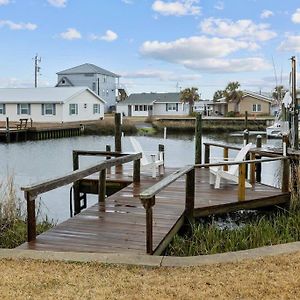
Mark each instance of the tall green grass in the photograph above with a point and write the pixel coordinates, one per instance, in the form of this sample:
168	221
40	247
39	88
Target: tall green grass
262	230
13	227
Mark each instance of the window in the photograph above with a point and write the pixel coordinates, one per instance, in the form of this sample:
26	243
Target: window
96	109
48	109
23	109
256	107
136	108
73	109
172	107
145	108
104	78
94	86
2	109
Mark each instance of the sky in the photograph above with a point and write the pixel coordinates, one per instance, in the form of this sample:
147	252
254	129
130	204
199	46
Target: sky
155	45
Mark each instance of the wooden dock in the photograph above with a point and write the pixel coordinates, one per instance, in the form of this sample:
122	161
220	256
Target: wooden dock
120	223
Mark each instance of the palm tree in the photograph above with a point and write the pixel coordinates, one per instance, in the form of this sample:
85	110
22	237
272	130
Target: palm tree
218	95
233	94
279	93
189	95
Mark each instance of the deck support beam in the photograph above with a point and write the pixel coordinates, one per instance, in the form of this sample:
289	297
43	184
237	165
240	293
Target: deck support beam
242	179
31	218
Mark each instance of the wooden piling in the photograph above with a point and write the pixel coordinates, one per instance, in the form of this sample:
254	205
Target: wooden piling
258	165
118	133
190	195
198	139
31	218
242	179
102	186
206	154
225	155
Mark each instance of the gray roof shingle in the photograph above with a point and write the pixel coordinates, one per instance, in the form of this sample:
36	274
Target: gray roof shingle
41	95
149	98
87	69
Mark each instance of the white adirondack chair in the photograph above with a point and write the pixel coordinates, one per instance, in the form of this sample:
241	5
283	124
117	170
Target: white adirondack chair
154	164
216	173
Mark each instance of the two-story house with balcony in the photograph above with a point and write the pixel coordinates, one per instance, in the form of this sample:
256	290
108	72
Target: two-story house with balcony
102	82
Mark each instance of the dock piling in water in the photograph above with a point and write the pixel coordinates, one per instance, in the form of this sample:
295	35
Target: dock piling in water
198	139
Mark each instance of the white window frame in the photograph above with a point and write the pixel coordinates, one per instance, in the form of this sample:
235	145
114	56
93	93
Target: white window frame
2	109
171	106
256	107
49	109
24	109
96	109
73	109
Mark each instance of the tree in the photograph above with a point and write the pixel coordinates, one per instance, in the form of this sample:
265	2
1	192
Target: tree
233	94
218	95
189	95
279	93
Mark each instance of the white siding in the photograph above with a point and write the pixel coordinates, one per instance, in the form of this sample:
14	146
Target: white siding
84	100
159	109
107	89
85	103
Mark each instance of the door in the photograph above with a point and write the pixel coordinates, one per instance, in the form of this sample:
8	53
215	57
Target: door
129	110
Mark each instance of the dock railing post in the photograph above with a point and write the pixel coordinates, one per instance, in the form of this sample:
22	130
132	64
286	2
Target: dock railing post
76	185
190	195
102	186
242	183
118	138
7	130
198	139
252	169
161	156
148	204
285	183
225	158
246	142
258	165
137	171
108	149
31	218
206	154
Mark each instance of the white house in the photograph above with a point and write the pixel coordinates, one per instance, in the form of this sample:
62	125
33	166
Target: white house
50	104
152	104
102	82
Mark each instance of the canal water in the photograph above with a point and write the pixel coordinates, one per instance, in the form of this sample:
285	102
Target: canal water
32	162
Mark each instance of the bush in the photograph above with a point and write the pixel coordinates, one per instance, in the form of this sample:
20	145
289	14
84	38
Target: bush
231	114
13	226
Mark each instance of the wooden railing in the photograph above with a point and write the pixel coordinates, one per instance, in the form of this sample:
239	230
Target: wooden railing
148	196
148	199
31	192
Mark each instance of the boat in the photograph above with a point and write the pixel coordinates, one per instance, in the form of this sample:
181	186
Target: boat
274	131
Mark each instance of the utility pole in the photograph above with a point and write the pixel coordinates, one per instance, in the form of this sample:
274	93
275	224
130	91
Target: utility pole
295	103
37	69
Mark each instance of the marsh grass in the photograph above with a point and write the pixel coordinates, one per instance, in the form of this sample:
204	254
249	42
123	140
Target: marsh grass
13	227
208	237
107	127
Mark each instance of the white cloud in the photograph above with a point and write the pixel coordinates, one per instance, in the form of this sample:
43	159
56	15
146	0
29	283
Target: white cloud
17	26
292	43
4	2
219	5
204	54
177	8
192	48
58	3
109	36
250	64
296	16
127	1
71	34
265	14
245	29
161	75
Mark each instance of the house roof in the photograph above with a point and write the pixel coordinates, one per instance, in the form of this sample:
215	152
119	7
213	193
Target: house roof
87	69
150	98
42	95
251	94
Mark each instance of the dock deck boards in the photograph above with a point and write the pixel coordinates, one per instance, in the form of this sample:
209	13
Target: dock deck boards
120	224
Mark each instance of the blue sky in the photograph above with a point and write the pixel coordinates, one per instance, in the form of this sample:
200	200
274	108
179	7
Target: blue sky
155	45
